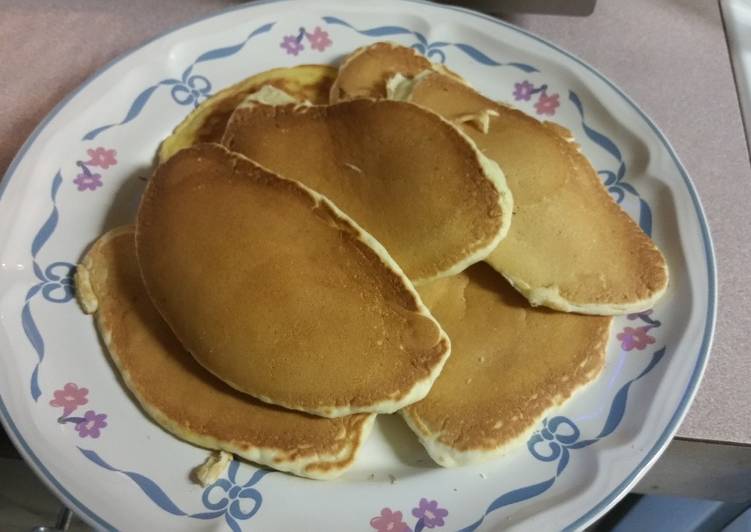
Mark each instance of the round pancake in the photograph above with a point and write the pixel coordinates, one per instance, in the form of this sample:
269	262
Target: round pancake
366	71
278	293
510	364
184	398
408	177
206	122
570	246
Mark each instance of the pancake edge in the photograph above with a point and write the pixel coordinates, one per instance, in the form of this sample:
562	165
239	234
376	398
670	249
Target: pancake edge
490	169
421	387
166	148
548	296
447	456
357	52
315	466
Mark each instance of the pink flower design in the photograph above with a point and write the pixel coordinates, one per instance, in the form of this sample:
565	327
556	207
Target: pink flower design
91	424
546	105
523	90
101	157
292	44
88	181
429	513
319	39
635	338
389	521
69	398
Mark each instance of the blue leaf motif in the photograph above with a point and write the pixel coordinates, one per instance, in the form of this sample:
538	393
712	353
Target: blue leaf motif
224	485
645	217
220	52
617	193
610	178
563	462
429	49
380	31
50	224
207	515
200	83
512	497
621	171
38	272
434	53
32	333
56	282
628	188
656	357
258	475
597	137
138	104
477	55
232	523
554	448
186	74
582	444
560	421
36	392
524	67
141	100
34	289
248	493
67	271
135	109
617	409
148	486
64	291
181	94
481	58
259	30
618	406
232	471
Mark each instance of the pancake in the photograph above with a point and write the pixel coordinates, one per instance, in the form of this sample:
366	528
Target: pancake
510	364
278	293
570	246
408	177
206	122
186	400
366	71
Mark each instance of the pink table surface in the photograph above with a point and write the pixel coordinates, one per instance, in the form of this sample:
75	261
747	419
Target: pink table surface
670	56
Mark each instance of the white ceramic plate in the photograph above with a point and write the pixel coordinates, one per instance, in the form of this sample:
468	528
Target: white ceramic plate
80	174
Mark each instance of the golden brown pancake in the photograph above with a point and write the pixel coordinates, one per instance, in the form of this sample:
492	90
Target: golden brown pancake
278	293
408	177
510	364
206	122
365	72
570	246
184	398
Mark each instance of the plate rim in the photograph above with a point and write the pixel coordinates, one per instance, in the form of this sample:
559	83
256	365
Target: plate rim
689	392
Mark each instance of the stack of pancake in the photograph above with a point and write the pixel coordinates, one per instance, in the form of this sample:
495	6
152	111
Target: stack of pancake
319	246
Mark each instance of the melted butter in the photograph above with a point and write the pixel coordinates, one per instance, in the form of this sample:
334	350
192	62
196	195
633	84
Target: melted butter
213	468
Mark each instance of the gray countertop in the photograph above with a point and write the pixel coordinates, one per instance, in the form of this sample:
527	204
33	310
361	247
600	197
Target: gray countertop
671	57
